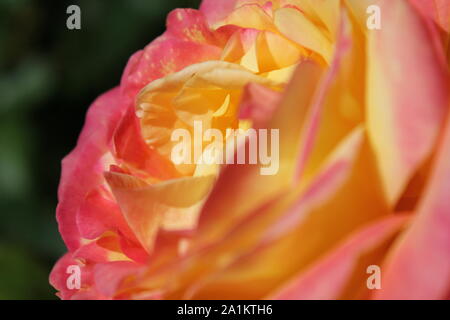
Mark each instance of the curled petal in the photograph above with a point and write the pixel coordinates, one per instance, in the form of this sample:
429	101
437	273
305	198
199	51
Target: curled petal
99	214
84	259
251	16
86	163
163	56
171	205
289	20
59	276
130	147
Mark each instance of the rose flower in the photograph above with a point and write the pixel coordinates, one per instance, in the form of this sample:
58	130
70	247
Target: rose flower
362	187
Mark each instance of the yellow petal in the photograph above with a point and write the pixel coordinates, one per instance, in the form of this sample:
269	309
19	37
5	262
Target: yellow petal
172	205
295	26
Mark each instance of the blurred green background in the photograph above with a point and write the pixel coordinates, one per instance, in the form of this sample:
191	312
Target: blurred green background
49	75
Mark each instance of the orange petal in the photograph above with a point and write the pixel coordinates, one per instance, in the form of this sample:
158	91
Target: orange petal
331	176
172	205
253	189
261	249
327	278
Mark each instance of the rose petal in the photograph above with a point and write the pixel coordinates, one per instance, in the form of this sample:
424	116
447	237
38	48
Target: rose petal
99	214
327	278
323	11
438	10
109	276
404	115
331	176
289	21
161	57
58	276
419	266
251	16
132	149
255	189
190	25
258	104
217	10
85	164
256	250
320	105
148	207
274	52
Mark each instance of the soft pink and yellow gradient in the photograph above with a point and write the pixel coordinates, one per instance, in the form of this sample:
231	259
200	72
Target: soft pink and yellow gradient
364	173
